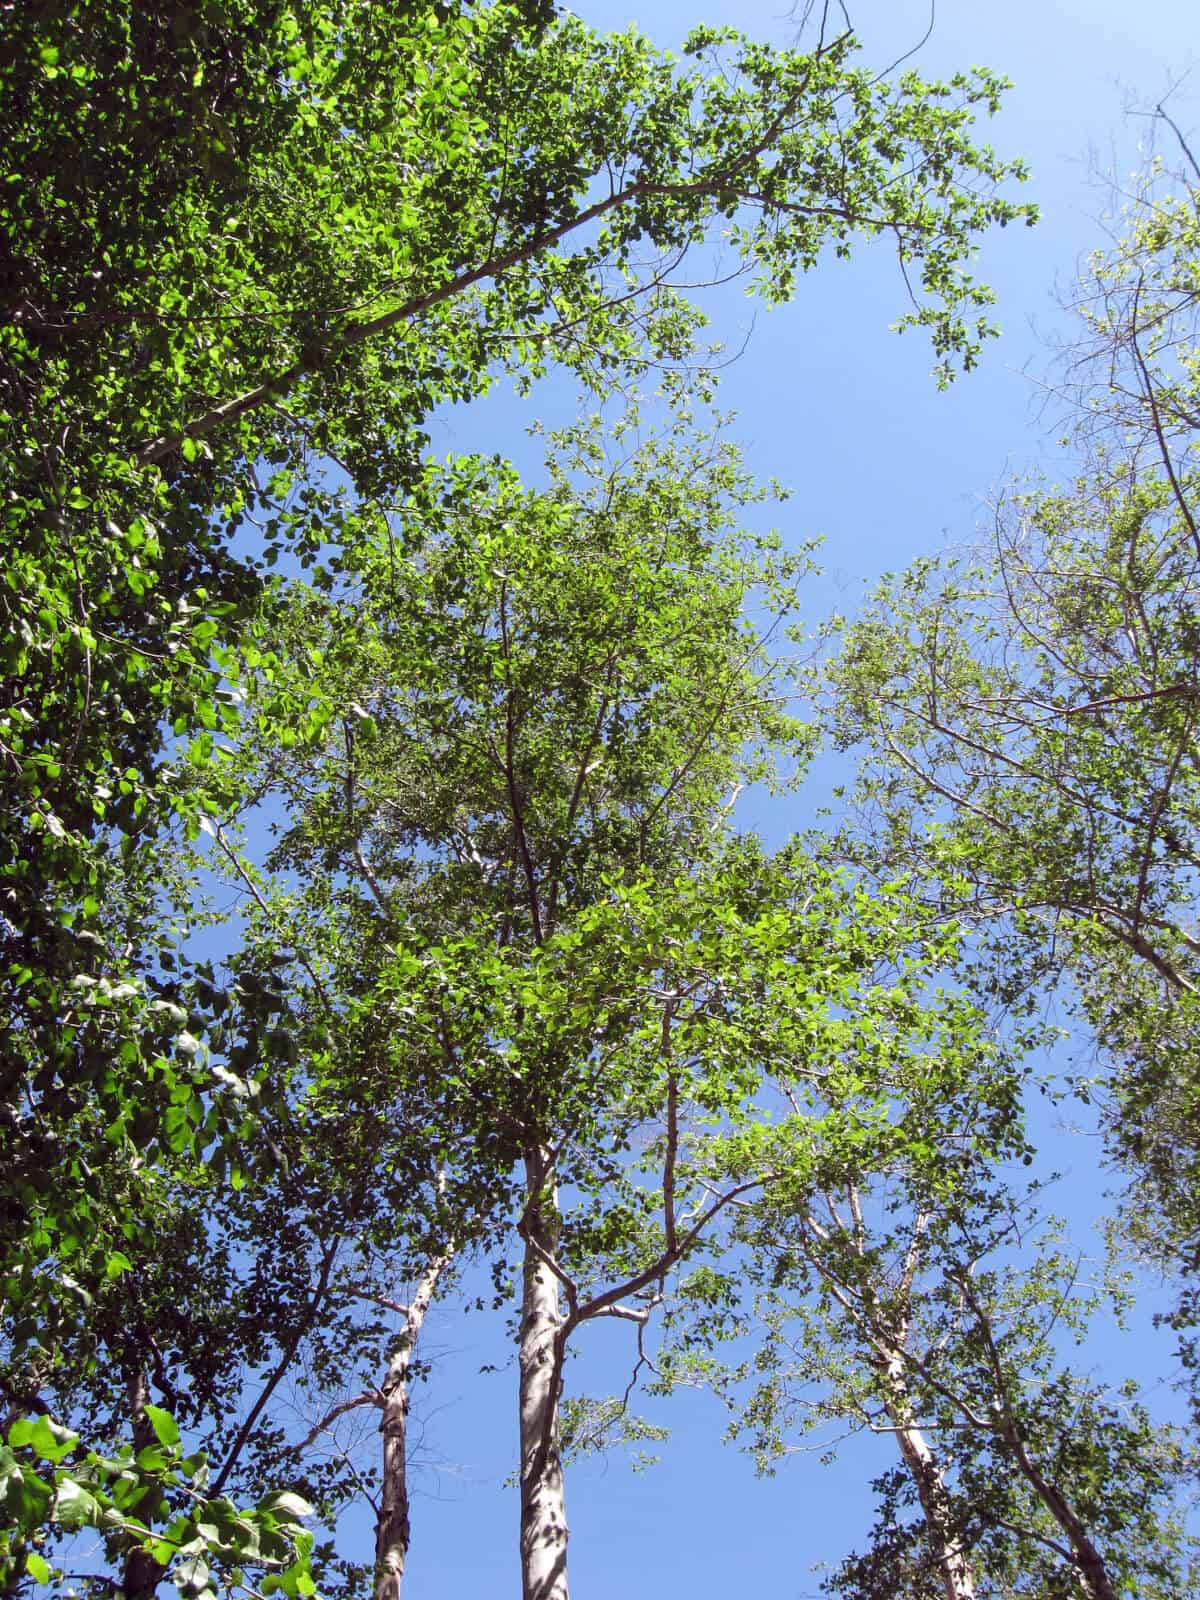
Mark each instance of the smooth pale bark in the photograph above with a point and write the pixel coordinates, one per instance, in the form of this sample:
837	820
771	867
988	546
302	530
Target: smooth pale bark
954	1570
392	1524
887	1332
543	1506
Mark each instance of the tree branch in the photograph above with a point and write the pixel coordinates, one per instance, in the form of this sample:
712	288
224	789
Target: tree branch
331	1416
289	1354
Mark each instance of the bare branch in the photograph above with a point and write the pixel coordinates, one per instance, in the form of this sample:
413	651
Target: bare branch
332	1415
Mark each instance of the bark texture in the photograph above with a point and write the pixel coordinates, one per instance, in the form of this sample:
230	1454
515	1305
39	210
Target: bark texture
393	1526
543	1506
954	1569
141	1575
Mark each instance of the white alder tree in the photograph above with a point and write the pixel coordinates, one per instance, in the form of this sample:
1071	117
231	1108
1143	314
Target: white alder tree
573	1016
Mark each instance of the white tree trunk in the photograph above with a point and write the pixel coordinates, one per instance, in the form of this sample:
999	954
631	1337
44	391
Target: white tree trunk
543	1507
954	1569
392	1525
142	1573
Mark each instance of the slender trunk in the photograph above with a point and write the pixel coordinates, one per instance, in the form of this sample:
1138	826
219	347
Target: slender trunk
142	1574
1089	1563
543	1508
1086	1559
392	1525
954	1569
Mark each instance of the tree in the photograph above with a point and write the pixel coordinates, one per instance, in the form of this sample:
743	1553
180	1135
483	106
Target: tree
363	213
935	1315
1029	718
261	236
524	946
549	696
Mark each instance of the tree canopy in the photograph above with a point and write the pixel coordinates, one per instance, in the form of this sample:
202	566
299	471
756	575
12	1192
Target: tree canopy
510	1006
1030	711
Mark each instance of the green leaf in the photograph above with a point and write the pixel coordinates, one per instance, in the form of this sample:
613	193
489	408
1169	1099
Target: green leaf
75	1506
164	1426
37	1567
285	1503
47	1439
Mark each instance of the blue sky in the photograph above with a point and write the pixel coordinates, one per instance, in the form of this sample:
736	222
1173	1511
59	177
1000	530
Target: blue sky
884	467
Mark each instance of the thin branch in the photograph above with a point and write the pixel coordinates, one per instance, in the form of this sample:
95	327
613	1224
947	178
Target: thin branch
912	1256
379	1300
360	855
1119	700
581	774
1028	1533
1151	396
860	1232
665	1260
239	866
570	1288
281	1366
626	1314
331	1416
1160	110
510	776
1156	814
671	1152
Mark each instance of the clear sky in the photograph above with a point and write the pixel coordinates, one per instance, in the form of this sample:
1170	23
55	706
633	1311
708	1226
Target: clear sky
884	467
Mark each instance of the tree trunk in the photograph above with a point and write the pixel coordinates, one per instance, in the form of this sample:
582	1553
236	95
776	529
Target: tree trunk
954	1569
392	1525
1088	1562
543	1508
142	1574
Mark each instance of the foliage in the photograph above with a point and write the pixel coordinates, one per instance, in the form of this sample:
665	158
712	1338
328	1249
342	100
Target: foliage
367	212
1058	1484
942	1322
1029	717
515	922
249	246
47	1479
